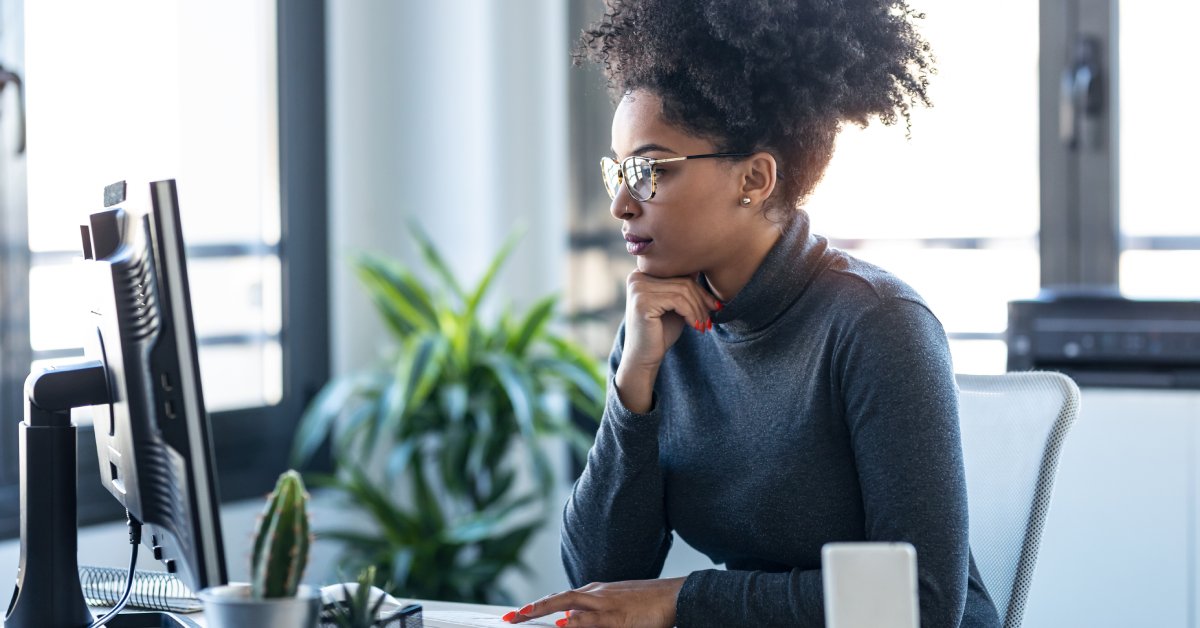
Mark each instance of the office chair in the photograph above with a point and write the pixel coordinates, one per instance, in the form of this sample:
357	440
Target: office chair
1013	426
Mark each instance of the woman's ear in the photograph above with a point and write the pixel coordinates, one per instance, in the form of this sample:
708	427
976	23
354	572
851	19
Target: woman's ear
759	176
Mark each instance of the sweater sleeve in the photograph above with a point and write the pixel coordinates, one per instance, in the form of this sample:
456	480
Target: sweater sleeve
901	406
899	400
614	523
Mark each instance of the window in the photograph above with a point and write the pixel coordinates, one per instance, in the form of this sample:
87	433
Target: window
1024	175
170	100
1159	217
953	211
226	97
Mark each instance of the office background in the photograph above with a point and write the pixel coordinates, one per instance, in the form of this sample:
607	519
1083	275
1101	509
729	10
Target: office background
303	132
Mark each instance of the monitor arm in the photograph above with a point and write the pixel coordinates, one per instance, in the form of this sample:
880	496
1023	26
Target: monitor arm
48	593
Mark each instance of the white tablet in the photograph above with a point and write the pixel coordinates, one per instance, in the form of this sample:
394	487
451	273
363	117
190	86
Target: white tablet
870	585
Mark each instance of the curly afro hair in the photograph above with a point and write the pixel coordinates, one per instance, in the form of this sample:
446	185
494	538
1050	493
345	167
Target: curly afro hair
774	75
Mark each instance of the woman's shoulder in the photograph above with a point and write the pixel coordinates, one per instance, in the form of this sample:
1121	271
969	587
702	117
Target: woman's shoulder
858	285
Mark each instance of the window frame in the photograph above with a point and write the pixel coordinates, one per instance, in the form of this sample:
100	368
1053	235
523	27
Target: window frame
1080	217
251	446
1079	239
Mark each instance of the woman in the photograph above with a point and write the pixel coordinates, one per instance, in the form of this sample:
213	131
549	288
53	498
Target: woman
769	394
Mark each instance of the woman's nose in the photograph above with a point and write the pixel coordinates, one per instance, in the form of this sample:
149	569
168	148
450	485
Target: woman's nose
623	206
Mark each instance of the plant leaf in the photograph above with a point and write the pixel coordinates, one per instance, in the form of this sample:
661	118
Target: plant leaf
573	374
518	387
542	469
399	527
480	526
429	511
417	371
576	355
506	548
532	325
502	481
397	295
360	418
353	537
453	398
320	415
401	457
485	283
434	259
452	460
402	563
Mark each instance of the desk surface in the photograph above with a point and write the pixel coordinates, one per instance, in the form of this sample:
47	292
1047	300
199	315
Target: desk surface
437	615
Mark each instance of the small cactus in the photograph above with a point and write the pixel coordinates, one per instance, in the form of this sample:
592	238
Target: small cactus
281	541
357	611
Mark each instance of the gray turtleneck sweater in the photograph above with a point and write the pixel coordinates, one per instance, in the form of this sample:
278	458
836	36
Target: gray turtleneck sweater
821	407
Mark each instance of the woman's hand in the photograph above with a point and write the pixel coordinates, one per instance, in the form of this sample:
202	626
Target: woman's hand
656	309
629	604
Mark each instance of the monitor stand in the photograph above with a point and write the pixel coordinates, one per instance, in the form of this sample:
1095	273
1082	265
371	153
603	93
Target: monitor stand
48	593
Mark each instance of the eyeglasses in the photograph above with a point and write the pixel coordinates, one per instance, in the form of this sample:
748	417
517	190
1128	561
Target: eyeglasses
640	175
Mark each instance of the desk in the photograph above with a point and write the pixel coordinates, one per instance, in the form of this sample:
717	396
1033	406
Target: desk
430	607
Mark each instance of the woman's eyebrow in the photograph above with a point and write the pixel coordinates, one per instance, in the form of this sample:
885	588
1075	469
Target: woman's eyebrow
646	148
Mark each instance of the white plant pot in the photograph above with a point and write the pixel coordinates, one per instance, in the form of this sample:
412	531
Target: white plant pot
232	606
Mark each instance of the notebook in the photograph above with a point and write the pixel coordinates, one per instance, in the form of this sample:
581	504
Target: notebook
152	590
466	619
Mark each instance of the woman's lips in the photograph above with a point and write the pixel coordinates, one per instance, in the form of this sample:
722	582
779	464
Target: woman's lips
637	245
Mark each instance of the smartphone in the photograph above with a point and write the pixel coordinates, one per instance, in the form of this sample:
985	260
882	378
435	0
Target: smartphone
870	585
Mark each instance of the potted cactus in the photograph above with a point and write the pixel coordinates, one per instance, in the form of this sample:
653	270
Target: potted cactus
274	598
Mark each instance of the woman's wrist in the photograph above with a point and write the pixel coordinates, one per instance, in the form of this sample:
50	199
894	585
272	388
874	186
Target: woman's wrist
635	388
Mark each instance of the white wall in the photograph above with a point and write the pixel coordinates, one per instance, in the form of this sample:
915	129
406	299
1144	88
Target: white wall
453	113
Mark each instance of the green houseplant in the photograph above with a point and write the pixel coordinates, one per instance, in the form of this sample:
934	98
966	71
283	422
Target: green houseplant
433	442
274	597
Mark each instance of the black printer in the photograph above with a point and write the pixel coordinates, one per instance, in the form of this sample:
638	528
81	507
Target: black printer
1106	340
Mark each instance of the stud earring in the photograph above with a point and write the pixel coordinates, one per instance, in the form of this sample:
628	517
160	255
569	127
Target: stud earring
745	200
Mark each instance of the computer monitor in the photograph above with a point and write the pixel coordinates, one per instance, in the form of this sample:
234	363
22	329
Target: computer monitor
153	439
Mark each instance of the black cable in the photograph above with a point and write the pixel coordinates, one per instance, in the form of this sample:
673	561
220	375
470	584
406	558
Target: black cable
135	539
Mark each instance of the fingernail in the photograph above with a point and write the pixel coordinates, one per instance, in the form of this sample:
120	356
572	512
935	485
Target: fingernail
697	325
568	613
710	323
560	623
719	306
525	610
509	616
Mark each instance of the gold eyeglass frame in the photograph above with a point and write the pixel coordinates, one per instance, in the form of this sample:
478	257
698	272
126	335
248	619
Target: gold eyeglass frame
651	162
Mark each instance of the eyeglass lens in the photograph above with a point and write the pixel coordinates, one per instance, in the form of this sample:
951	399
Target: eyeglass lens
637	173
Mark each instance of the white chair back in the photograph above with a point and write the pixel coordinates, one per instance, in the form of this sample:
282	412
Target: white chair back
1013	427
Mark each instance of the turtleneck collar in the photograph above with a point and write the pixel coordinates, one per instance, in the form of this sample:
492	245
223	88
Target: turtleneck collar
778	282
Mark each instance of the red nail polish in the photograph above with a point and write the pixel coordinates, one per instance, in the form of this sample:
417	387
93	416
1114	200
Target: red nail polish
509	616
697	325
525	610
560	623
710	323
720	306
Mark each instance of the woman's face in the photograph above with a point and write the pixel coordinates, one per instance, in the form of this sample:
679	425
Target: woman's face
694	223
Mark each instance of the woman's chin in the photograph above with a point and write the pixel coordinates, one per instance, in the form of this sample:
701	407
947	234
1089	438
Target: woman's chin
659	268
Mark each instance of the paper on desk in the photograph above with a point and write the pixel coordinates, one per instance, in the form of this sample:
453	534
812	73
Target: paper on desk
433	619
461	619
